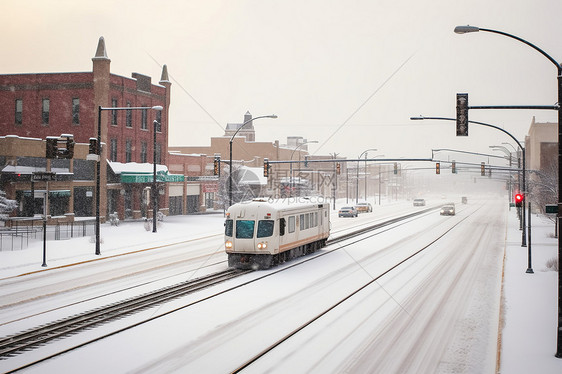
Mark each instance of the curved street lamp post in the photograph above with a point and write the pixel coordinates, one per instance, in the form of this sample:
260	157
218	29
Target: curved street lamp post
230	160
469	29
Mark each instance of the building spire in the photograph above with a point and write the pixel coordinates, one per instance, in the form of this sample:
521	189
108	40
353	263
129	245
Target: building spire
101	53
164	77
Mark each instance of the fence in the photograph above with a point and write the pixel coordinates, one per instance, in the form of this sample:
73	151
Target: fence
22	231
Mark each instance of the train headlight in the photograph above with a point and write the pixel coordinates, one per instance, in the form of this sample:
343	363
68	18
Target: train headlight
262	245
228	244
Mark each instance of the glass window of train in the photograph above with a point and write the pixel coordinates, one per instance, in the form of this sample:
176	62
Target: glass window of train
228	227
245	229
301	221
292	224
282	224
265	228
306	221
315	219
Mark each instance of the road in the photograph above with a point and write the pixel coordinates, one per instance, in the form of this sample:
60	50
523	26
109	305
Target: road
437	312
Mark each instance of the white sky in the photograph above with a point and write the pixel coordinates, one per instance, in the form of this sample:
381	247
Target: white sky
314	63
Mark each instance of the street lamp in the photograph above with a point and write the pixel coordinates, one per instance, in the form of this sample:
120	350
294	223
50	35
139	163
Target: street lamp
291	164
357	185
468	29
230	147
98	176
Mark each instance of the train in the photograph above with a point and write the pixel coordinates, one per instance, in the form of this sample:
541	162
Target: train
265	232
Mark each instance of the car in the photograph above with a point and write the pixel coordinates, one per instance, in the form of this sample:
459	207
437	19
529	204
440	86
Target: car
448	210
419	202
363	207
347	211
464	200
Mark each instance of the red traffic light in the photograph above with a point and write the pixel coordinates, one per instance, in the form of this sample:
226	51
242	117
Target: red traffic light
519	199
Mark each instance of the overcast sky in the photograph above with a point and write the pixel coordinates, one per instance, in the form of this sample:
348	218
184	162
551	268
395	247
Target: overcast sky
348	74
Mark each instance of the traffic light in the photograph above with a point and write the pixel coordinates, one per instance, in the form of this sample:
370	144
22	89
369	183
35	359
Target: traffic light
483	169
338	168
437	168
395	168
454	167
69	151
265	167
305	161
519	198
462	114
51	148
217	166
93	148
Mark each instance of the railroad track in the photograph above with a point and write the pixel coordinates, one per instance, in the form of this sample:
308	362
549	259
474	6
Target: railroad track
33	338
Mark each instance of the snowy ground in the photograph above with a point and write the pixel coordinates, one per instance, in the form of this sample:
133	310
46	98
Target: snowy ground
528	337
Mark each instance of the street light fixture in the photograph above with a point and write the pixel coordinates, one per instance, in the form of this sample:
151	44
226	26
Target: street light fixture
291	164
357	185
98	174
468	29
230	160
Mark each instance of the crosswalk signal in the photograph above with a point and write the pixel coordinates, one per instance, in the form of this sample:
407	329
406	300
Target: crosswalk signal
462	114
338	168
519	198
437	168
265	167
217	166
483	169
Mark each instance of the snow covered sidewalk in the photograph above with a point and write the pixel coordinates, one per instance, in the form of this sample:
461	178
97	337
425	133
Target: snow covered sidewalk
528	340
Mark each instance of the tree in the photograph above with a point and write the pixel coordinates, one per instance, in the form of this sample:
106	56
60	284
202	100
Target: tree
544	190
6	205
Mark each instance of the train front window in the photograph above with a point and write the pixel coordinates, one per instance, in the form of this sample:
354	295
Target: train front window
228	227
265	228
245	229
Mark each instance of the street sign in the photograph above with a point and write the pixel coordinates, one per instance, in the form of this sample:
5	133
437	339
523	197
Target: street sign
43	176
551	208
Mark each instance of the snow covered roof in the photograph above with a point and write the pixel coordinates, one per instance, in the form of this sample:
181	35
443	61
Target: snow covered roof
134	167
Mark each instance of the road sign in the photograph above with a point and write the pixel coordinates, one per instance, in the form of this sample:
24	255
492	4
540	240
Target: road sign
551	208
43	176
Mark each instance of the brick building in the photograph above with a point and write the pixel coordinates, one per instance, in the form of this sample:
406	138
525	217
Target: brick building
35	106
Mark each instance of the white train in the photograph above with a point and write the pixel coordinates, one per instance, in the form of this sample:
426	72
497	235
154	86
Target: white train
262	233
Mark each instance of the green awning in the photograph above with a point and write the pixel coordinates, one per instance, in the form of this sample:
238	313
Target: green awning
148	177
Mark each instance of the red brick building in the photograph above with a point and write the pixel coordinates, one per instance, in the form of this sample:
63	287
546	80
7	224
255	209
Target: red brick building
50	104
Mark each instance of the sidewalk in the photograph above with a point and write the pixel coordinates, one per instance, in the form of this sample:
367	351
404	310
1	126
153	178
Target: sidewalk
529	314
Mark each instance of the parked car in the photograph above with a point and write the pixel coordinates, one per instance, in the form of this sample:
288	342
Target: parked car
419	202
363	207
448	210
347	211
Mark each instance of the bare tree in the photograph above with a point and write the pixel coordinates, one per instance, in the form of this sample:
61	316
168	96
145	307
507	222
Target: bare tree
6	205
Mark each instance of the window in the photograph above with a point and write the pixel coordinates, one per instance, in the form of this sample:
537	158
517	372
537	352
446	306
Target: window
129	116
245	229
114	112
158	121
265	228
301	221
144	119
292	224
75	111
228	227
128	150
143	152
19	112
113	150
282	224
45	112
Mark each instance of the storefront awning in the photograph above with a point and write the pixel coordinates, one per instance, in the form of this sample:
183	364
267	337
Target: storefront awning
133	172
148	177
53	193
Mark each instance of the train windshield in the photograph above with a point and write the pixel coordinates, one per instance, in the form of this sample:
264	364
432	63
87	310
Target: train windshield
228	227
265	228
245	229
